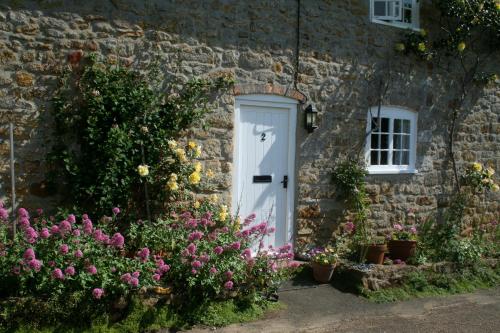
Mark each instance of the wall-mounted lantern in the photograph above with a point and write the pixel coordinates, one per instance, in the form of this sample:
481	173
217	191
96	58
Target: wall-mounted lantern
311	115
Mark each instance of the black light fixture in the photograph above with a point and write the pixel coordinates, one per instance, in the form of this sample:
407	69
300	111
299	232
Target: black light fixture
311	115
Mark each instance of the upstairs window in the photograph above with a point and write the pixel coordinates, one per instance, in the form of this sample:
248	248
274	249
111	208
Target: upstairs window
398	13
391	141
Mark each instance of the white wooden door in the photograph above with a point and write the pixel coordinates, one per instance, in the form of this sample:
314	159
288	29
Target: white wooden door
264	168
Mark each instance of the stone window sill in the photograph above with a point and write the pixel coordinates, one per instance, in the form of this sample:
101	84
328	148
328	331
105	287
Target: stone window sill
391	171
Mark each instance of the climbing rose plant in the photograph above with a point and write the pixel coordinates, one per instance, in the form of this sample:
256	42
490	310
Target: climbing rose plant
114	128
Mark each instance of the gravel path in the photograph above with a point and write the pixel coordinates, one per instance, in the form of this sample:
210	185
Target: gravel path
325	309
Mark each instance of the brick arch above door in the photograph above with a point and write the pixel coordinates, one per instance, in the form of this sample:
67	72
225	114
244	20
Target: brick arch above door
268	89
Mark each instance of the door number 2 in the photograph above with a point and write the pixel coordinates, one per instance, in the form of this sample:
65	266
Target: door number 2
263	137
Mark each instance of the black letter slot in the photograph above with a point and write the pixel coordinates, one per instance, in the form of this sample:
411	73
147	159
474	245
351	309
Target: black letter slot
262	179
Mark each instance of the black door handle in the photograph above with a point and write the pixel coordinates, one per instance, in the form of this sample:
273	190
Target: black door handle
285	182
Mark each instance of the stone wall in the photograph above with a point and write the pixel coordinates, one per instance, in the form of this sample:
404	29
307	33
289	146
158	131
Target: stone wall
341	56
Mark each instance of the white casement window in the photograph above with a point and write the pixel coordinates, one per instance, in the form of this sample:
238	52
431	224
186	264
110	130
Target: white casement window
398	13
391	140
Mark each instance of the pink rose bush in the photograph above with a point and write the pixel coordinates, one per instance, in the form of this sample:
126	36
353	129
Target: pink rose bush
71	255
214	258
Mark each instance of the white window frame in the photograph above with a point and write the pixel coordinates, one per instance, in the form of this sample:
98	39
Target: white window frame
415	16
392	113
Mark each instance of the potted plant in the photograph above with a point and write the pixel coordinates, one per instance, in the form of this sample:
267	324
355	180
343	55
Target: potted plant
323	263
403	242
375	252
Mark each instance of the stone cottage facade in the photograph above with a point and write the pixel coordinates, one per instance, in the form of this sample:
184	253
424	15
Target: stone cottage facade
345	59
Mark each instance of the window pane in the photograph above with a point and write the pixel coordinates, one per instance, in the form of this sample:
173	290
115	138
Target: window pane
407	16
384	141
397	141
396	157
406	158
383	157
379	8
375	142
406	126
385	125
374	158
397	125
406	141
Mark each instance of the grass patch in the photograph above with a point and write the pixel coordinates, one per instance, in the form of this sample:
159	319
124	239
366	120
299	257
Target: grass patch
426	284
139	317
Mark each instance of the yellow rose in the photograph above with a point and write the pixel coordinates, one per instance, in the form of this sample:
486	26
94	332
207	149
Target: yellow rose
196	205
172	185
400	47
213	198
194	178
421	47
461	47
490	171
143	170
172	144
495	188
173	177
181	154
191	145
223	208
197	167
197	152
210	174
477	167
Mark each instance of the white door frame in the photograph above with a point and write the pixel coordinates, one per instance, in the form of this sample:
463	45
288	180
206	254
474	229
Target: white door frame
268	101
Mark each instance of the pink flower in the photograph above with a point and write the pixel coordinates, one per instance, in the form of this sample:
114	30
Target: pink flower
398	227
246	253
71	218
349	227
70	270
87	226
191	248
30	234
116	210
64	248
23	213
236	245
249	219
194	271
78	254
85	217
413	230
196	264
218	250
136	274
64	227
228	285
117	240
294	264
57	274
229	275
39	211
29	254
213	270
77	233
191	223
92	270
144	254
52	263
134	282
126	277
54	229
45	233
164	268
16	270
24	223
224	230
195	235
97	293
4	214
35	264
99	235
156	277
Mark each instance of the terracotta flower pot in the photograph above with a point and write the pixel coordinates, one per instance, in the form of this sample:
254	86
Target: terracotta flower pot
402	249
375	254
322	273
